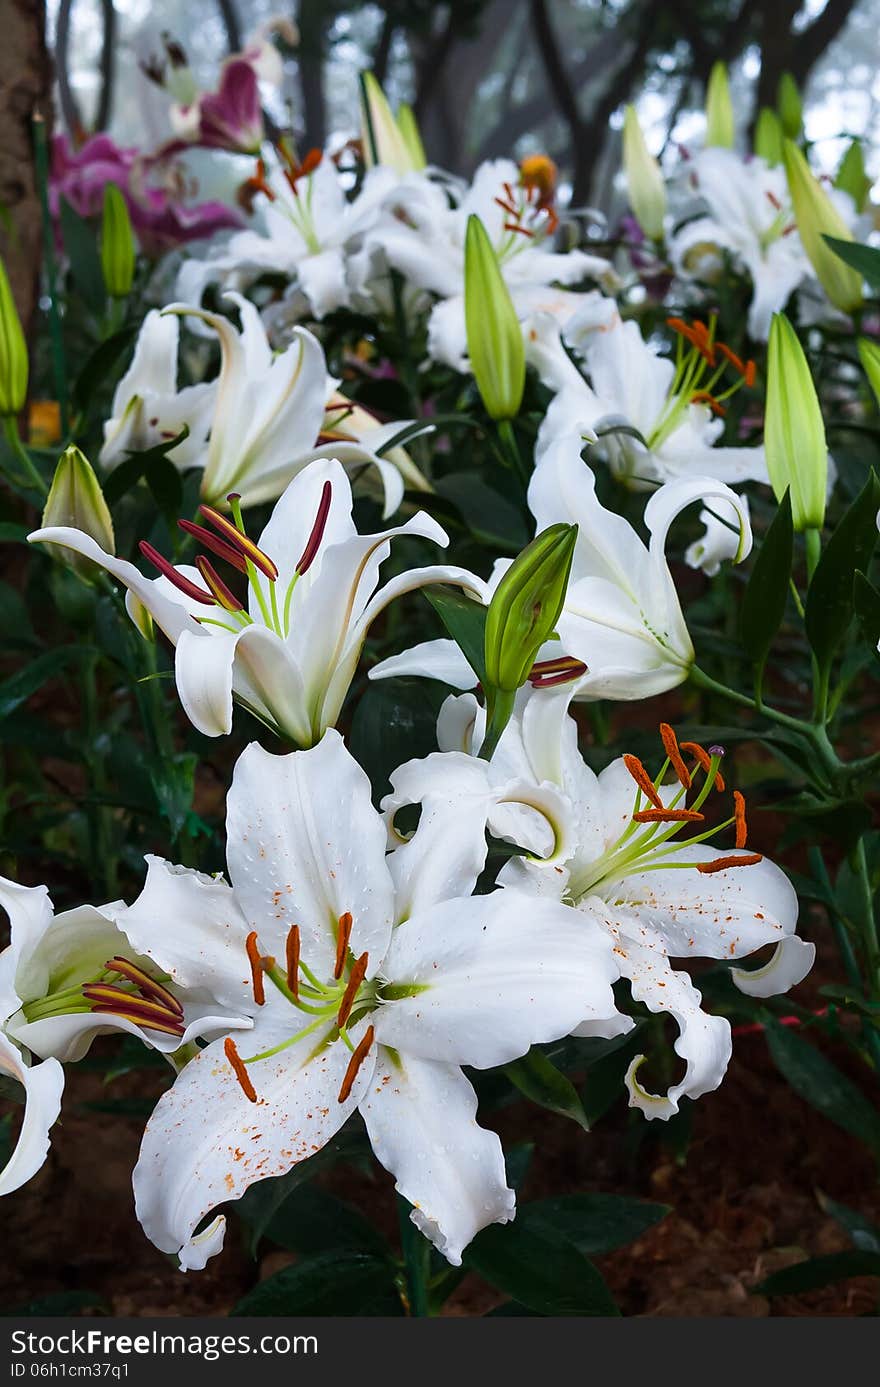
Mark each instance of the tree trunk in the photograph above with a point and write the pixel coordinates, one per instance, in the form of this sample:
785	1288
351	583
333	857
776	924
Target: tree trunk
25	77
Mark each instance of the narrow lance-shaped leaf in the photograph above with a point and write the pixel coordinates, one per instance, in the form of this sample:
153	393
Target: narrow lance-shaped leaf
465	620
538	1078
766	594
864	259
866	600
829	606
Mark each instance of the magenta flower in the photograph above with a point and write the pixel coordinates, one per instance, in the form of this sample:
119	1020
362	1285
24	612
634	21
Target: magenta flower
159	214
230	118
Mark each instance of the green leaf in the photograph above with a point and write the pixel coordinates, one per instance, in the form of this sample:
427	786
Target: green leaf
141	464
19	687
58	1303
173	784
546	1274
100	366
334	1283
820	1271
311	1221
465	620
539	1079
821	1084
866	600
259	1206
594	1223
394	721
490	516
829	605
865	1235
865	259
81	248
763	604
13	533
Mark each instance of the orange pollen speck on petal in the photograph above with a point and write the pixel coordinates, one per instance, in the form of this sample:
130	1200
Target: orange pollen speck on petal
358	973
256	962
643	780
342	937
739	811
670	746
354	1064
239	1070
750	859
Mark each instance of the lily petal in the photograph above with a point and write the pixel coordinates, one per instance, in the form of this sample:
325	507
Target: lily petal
43	1084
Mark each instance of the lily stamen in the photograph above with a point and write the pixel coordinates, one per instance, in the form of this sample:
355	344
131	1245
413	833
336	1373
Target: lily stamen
703	759
342	937
147	986
643	780
239	541
108	999
241	1074
223	595
739	812
292	950
668	816
253	952
670	746
354	1064
216	545
313	543
546	674
356	977
722	863
182	583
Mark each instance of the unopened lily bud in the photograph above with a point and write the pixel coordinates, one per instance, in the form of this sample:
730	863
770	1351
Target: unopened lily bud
525	607
381	137
494	336
789	106
76	502
720	128
117	244
644	180
817	217
408	127
869	355
768	136
851	177
13	353
794	432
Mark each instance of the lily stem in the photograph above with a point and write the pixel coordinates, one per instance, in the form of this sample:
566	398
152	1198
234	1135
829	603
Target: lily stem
59	365
417	1261
13	437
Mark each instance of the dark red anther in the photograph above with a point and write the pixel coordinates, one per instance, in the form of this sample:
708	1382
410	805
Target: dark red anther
215	584
216	545
189	589
313	543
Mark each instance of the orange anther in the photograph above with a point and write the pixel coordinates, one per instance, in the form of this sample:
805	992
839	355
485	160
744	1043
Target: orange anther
355	1063
722	863
643	780
351	990
239	1070
703	759
292	950
256	962
342	937
739	812
670	746
668	816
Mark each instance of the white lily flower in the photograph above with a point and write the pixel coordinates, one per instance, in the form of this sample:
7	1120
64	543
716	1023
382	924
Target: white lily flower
635	860
622	619
657	419
147	406
308	229
269	413
65	979
290	655
720	540
424	239
749	215
370	982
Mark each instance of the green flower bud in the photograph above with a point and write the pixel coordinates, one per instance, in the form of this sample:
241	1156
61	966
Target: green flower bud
851	176
383	140
644	180
117	244
720	128
13	353
411	136
76	500
794	432
525	607
869	355
789	106
768	136
494	337
816	217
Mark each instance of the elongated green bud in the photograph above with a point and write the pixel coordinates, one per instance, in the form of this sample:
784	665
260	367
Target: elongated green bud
76	501
789	106
494	336
869	355
411	136
117	244
720	129
851	176
383	142
644	180
768	136
526	605
794	432
816	216
13	353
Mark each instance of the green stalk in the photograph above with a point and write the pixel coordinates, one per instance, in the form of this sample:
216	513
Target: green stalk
417	1262
499	710
511	450
59	367
868	921
10	428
